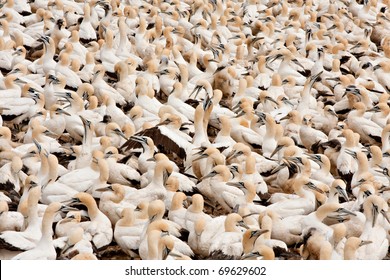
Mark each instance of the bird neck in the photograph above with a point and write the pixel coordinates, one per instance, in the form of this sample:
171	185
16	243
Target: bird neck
197	206
153	244
250	196
44	170
266	223
127	220
362	165
53	172
93	210
118	196
104	171
326	251
47	228
177	203
350	251
158	178
247	244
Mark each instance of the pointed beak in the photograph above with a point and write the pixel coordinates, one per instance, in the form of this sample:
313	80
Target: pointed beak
61	95
72	202
333	113
356	46
240	114
298	63
384	213
121	134
137	139
310	185
342	192
200	157
296	160
234	184
236	106
210	175
50	134
374	109
343	211
233	154
3	108
351	153
243	224
39	147
109	188
374	212
277	149
67	208
197	89
165	122
271	59
257	233
315	77
251	255
269	98
365	242
62	111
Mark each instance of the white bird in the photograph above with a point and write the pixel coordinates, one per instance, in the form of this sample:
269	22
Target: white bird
111	201
177	213
45	249
55	191
127	233
301	205
98	229
227	196
368	130
56	122
266	225
12	175
155	189
150	239
101	87
87	31
310	136
29	238
374	229
84	179
62	67
65	226
195	212
175	100
10	220
228	244
118	172
351	247
75	244
315	219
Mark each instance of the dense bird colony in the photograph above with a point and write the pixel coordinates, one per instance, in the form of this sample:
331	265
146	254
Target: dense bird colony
194	129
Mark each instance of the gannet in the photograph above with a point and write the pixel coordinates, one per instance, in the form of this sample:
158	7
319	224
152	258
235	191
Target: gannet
127	234
374	229
99	227
44	249
228	244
